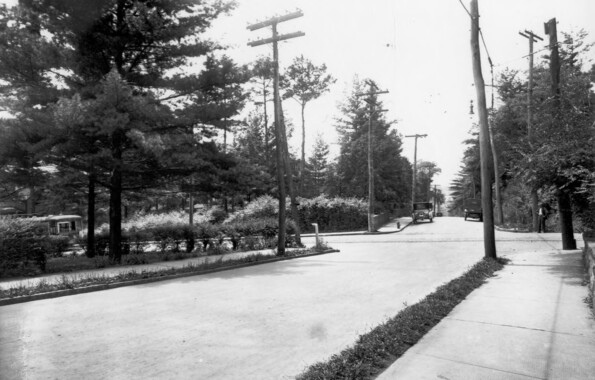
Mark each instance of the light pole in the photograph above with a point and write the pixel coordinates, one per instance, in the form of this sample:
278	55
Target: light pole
372	92
371	197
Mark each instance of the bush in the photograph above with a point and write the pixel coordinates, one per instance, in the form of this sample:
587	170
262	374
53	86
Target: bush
22	243
333	214
165	235
262	207
188	233
102	243
231	231
139	238
206	232
57	245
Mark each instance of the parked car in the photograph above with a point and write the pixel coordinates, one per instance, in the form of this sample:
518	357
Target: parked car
422	211
472	209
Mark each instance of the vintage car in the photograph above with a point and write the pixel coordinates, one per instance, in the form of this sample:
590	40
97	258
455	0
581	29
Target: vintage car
472	209
422	211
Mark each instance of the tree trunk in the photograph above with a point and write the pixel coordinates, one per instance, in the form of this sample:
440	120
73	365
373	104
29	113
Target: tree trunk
115	211
565	212
534	208
303	162
91	215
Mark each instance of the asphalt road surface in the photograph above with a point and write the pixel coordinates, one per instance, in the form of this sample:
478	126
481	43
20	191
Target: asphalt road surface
264	322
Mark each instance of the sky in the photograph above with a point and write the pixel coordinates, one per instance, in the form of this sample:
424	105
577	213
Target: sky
417	50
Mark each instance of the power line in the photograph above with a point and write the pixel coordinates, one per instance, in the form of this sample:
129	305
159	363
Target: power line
465	8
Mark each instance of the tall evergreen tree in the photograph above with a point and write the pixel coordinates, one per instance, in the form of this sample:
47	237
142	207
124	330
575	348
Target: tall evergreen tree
304	82
142	40
391	170
317	169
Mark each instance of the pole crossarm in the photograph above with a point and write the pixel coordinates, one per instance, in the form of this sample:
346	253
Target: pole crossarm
275	20
416	136
371	93
275	39
530	35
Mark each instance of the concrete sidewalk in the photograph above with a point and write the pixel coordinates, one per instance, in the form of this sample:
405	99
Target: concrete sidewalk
528	322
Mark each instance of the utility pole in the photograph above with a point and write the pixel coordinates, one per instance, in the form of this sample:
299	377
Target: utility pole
489	240
563	195
435	197
532	37
414	176
371	197
280	133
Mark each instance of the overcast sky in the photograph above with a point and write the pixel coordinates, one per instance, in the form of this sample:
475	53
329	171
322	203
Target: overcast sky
417	50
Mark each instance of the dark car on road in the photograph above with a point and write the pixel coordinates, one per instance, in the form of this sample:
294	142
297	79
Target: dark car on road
422	211
472	209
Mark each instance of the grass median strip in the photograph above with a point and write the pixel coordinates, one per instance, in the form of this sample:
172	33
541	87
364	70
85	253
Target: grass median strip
74	281
378	349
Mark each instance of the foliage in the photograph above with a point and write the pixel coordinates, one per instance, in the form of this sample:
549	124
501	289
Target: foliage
304	81
556	158
392	172
71	48
333	214
262	207
316	170
23	247
102	281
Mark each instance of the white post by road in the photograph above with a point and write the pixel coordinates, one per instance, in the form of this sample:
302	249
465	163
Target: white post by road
316	232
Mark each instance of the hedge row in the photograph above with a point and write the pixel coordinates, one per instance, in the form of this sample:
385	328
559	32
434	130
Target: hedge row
249	234
331	214
24	247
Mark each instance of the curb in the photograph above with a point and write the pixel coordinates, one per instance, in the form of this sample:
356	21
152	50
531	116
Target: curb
141	281
357	233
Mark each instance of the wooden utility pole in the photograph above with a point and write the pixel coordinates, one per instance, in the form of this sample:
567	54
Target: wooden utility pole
280	133
532	37
371	196
414	176
563	195
499	211
489	240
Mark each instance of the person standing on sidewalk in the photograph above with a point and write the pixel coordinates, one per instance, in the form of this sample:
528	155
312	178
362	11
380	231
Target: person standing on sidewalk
543	213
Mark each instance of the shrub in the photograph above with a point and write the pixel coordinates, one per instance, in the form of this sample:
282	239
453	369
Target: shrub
262	207
206	232
57	245
188	233
22	243
102	243
332	214
164	235
231	231
139	238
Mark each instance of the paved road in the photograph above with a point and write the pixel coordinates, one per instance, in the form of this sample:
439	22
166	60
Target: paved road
264	322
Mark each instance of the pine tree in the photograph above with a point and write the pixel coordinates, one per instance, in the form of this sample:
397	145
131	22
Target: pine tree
317	169
304	82
391	170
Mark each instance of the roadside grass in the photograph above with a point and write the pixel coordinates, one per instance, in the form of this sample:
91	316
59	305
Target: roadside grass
74	281
378	349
